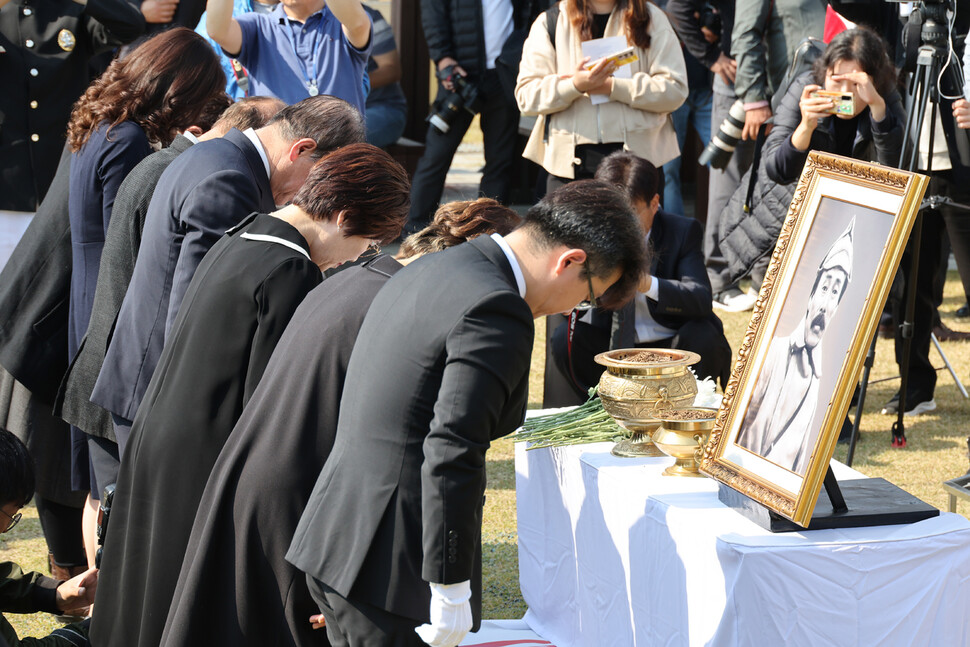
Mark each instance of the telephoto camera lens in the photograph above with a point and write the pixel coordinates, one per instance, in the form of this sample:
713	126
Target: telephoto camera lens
718	151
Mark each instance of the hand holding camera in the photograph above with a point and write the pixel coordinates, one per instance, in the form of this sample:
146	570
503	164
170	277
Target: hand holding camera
815	104
447	67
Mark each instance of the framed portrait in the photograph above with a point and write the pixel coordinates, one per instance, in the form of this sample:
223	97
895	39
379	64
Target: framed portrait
816	314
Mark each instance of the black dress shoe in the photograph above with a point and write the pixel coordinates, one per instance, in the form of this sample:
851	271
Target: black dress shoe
963	311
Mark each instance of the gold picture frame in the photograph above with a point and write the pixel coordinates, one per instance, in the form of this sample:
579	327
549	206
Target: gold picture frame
817	312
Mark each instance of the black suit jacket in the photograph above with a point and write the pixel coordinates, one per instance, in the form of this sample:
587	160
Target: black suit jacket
204	192
439	370
684	290
118	257
35	287
261	482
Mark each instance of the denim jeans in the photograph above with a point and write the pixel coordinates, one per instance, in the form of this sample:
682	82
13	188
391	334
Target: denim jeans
696	110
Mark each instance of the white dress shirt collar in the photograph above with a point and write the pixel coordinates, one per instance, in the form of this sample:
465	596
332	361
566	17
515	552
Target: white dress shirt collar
514	262
191	137
249	132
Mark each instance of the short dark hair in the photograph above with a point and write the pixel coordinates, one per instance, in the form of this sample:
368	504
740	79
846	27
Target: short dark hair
596	217
635	176
460	221
327	120
250	112
866	48
16	471
366	184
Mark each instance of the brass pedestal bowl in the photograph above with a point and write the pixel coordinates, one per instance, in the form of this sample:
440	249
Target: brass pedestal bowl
633	391
682	435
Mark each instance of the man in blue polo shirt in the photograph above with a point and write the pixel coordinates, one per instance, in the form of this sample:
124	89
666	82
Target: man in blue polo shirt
300	49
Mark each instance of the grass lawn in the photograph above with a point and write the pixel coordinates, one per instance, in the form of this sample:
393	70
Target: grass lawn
936	452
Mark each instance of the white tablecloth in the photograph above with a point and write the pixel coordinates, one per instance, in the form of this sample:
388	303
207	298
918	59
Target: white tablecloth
612	553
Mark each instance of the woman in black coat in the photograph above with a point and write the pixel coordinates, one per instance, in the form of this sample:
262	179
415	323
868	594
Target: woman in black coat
235	586
855	61
235	310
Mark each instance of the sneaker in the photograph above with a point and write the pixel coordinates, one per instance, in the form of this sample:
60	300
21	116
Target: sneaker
915	404
734	300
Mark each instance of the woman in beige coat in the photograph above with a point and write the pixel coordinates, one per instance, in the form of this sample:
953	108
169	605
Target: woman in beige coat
573	132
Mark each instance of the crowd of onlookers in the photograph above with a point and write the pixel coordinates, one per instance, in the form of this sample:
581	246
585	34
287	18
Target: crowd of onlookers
173	200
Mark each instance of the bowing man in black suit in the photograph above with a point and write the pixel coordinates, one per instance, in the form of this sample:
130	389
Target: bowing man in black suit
672	307
208	189
391	535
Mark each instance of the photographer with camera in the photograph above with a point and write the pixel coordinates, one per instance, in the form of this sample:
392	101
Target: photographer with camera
763	39
865	123
467	39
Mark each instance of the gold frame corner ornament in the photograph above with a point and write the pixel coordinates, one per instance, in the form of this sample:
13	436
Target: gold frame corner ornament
824	175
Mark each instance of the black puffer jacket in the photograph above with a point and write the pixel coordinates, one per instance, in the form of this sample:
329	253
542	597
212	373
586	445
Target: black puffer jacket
454	28
746	238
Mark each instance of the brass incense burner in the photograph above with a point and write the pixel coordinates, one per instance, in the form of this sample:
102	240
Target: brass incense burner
634	392
682	435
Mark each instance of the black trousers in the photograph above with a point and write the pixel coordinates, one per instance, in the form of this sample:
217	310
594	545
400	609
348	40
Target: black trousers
701	336
351	623
500	124
930	276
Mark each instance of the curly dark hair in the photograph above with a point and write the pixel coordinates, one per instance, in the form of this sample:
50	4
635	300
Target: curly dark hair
865	47
636	19
165	85
457	222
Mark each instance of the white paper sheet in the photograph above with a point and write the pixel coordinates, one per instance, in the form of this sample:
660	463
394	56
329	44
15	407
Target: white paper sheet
600	47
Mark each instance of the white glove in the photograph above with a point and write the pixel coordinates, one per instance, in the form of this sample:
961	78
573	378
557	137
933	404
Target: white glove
451	615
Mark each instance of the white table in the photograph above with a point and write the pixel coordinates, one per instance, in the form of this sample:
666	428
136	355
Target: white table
612	553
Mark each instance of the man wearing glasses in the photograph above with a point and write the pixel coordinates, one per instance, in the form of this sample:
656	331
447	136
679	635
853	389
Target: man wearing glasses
390	538
33	592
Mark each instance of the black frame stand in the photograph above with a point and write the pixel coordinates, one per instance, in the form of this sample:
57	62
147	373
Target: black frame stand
875	502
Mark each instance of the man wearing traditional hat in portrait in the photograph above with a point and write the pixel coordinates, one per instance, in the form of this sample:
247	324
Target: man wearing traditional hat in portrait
778	422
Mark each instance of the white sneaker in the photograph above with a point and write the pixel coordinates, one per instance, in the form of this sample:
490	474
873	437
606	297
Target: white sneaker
913	409
734	300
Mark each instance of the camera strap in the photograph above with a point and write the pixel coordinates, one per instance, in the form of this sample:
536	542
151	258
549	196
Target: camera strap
755	163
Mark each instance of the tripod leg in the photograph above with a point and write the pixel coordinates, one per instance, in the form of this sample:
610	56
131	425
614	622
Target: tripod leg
860	405
949	366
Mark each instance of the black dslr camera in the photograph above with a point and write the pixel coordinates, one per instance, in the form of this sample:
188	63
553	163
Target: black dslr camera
465	96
